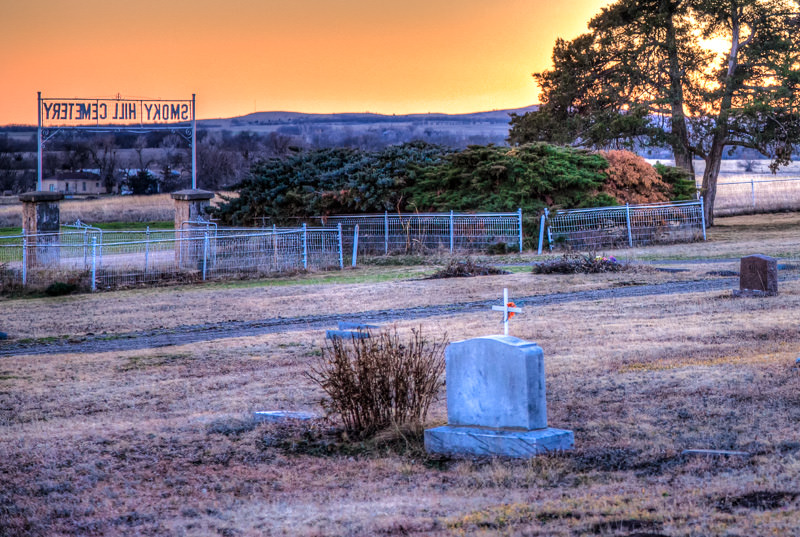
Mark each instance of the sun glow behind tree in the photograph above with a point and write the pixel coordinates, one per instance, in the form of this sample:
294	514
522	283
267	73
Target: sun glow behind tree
698	76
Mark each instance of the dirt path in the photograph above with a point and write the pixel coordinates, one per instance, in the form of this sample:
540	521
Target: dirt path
184	334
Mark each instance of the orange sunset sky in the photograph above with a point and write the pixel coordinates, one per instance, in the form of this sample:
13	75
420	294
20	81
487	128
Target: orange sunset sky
239	56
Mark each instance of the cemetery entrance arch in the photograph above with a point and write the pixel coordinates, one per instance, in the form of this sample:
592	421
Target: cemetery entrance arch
57	115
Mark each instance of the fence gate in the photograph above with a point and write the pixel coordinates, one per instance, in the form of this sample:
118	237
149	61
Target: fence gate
627	225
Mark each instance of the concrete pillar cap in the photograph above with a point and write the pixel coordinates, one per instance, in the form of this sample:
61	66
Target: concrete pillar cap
41	195
192	194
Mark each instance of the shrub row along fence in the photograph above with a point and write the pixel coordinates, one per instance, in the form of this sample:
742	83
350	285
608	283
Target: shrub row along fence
627	225
93	259
412	233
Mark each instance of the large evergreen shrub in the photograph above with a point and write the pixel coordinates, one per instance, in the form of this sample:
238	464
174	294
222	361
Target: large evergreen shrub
498	178
681	182
329	181
423	177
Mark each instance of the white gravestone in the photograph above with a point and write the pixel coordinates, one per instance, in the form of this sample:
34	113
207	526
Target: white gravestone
496	401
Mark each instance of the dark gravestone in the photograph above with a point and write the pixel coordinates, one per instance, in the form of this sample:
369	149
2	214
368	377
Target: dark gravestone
758	274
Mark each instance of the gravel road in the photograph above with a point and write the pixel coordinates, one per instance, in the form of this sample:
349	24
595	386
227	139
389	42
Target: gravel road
233	329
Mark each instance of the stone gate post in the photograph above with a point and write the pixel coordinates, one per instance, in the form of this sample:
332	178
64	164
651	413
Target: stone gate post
41	222
190	205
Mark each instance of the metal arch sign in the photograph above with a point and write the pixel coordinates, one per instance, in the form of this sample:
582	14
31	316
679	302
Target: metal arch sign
76	112
116	114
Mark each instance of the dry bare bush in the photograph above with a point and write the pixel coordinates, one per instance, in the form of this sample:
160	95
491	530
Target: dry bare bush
571	263
632	180
380	381
465	269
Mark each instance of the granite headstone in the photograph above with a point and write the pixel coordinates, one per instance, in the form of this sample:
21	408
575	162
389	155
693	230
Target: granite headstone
758	274
496	401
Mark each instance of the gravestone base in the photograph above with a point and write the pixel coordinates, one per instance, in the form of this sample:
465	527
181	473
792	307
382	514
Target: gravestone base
487	441
747	293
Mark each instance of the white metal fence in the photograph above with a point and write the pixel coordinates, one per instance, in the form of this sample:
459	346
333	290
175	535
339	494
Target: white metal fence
97	259
423	232
756	192
627	225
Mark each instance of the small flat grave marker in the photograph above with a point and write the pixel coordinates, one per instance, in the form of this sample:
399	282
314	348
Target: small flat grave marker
351	330
282	415
715	453
347	325
346	334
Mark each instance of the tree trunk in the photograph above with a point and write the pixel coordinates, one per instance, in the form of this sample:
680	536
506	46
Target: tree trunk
714	157
710	175
683	159
680	133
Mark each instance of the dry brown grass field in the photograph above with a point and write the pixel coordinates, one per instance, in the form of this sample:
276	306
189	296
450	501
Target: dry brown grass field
158	207
160	441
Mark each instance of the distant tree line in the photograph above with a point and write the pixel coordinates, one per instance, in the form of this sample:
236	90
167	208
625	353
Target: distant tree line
160	161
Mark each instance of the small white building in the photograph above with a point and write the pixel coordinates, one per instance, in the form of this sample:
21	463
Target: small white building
75	183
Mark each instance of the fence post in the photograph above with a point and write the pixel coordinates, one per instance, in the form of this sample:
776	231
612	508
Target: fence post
542	222
355	245
205	252
275	246
753	193
341	247
386	232
628	221
703	217
305	247
451	232
94	263
549	235
519	216
146	248
24	259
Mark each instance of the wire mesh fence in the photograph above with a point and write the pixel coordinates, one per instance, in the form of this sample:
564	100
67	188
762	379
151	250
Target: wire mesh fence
756	192
407	233
627	226
108	260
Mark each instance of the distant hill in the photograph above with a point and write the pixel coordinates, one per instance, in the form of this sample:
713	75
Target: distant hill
282	118
366	130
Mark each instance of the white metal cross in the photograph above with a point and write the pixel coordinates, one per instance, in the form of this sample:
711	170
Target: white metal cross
507	308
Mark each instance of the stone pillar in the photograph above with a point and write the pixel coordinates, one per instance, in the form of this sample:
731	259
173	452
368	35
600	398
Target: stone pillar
496	401
190	205
41	221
